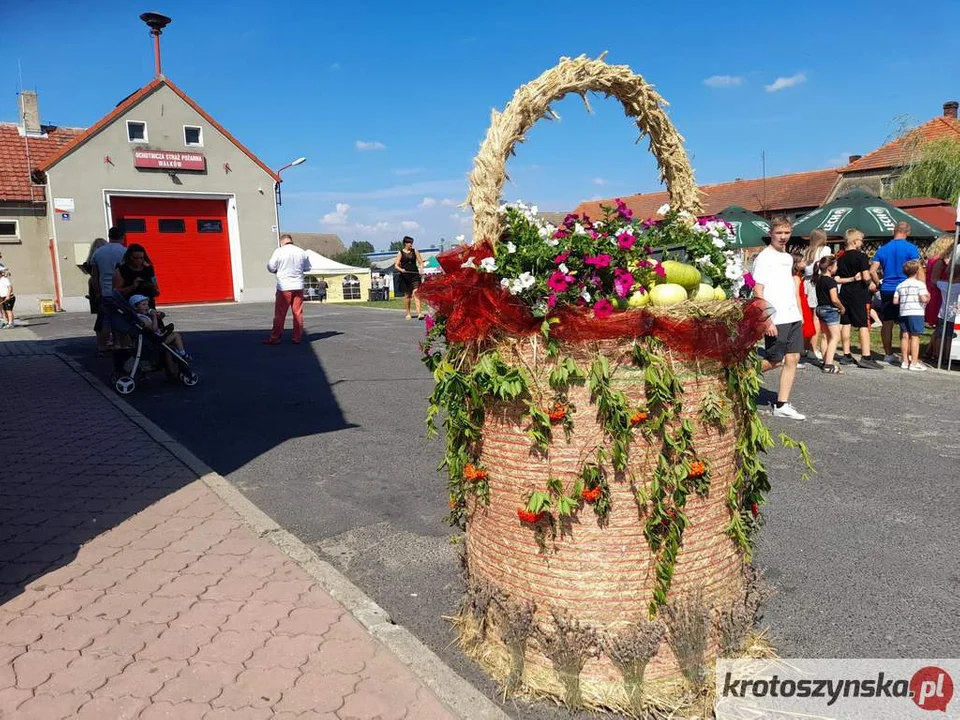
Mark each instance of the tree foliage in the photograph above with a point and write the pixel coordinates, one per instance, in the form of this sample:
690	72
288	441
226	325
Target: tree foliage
935	172
356	254
396	245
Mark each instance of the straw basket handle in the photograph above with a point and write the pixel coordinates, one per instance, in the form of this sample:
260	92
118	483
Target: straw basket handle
532	102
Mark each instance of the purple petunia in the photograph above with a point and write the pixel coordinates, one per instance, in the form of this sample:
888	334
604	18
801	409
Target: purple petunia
559	281
602	309
623	282
626	241
598	261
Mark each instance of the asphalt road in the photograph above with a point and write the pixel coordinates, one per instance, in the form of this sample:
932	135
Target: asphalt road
328	438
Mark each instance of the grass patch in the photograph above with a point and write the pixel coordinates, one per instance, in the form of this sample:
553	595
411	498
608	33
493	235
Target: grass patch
391	304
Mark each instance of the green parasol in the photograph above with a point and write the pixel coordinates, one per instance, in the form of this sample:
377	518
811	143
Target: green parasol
863	211
750	229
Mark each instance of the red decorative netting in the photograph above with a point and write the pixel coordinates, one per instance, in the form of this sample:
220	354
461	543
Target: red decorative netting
476	307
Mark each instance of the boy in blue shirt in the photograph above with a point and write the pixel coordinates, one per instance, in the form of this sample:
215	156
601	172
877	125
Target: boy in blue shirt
890	259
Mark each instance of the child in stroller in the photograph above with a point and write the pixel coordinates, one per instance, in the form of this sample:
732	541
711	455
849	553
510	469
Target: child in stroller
148	349
150	319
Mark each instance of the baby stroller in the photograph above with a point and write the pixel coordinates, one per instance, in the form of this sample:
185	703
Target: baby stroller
149	352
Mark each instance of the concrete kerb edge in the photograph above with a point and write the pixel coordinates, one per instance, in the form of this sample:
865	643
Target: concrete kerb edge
462	698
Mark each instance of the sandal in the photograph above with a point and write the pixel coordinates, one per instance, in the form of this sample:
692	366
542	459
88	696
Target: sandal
831	370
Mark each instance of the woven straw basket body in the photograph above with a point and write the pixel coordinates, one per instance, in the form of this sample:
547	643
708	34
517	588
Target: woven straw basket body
601	576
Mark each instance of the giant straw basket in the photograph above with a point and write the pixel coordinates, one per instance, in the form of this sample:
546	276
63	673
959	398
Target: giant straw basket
600	575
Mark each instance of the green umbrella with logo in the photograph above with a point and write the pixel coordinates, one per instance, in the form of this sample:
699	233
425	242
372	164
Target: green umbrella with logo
750	229
875	217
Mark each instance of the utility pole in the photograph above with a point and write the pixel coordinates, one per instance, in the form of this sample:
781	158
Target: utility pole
763	181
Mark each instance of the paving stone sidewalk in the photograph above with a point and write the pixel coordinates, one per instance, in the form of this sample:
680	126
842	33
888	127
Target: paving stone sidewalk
128	589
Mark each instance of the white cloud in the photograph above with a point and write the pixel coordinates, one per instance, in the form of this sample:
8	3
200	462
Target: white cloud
338	217
410	225
427	202
407	171
373	145
599	181
723	81
336	66
448	202
782	83
429	188
461	219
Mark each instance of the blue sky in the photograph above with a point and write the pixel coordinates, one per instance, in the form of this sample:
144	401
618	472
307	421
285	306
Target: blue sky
390	101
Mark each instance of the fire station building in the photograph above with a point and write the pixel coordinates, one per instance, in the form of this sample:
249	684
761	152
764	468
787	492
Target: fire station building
201	203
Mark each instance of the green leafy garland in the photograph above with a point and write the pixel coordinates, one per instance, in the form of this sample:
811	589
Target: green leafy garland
468	378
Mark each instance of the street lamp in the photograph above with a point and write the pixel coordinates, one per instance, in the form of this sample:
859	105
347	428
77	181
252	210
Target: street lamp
276	188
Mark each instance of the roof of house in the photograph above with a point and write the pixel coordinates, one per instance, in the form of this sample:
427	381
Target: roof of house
778	193
133	100
934	211
902	150
322	243
15	170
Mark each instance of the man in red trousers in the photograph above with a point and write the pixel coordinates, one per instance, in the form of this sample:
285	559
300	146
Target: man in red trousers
288	263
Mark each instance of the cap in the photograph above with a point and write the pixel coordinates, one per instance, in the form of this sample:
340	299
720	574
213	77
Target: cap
136	299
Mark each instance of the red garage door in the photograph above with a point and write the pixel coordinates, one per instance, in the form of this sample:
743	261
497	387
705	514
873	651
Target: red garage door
187	242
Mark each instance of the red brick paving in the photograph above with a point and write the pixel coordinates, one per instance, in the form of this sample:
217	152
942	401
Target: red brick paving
179	611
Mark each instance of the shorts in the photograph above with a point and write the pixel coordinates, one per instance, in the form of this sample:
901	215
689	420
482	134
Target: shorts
888	309
407	283
789	339
828	314
8	304
857	311
912	324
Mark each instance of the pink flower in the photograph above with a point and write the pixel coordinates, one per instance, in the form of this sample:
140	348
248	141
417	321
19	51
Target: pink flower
623	282
598	261
602	309
660	271
649	223
748	280
570	220
562	257
625	240
559	282
429	322
594	234
551	301
560	234
622	210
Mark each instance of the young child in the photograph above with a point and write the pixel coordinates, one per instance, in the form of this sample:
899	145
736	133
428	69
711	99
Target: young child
911	296
149	320
829	309
7	300
806	311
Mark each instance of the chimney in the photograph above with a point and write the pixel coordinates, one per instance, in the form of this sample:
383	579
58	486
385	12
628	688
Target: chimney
854	158
950	109
29	112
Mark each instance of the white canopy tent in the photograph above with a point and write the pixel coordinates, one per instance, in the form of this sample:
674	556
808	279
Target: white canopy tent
322	265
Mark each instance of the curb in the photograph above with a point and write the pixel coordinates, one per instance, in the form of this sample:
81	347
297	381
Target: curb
462	698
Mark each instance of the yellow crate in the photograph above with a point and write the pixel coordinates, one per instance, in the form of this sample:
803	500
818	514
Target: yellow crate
48	307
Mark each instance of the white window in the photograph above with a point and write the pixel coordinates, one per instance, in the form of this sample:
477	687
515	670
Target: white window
192	136
9	230
351	287
136	131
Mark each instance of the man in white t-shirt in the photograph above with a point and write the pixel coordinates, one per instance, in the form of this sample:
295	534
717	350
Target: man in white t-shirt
773	273
288	263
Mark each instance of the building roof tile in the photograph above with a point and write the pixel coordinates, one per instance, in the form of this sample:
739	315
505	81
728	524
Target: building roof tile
773	194
16	184
902	150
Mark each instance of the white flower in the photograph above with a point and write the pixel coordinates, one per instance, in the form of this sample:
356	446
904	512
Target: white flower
585	295
503	208
578	229
534	209
552	241
685	215
505	283
461	239
732	273
563	268
525	281
488	264
470	262
663	209
511	248
718	243
705	260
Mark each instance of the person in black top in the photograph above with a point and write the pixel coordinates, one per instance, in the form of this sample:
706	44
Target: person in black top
135	274
829	309
409	266
857	285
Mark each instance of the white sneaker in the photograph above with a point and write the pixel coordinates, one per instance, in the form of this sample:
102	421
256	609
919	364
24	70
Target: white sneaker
905	365
788	411
889	358
818	355
918	367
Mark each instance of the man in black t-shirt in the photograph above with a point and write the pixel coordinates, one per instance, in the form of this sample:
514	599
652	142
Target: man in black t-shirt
857	285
